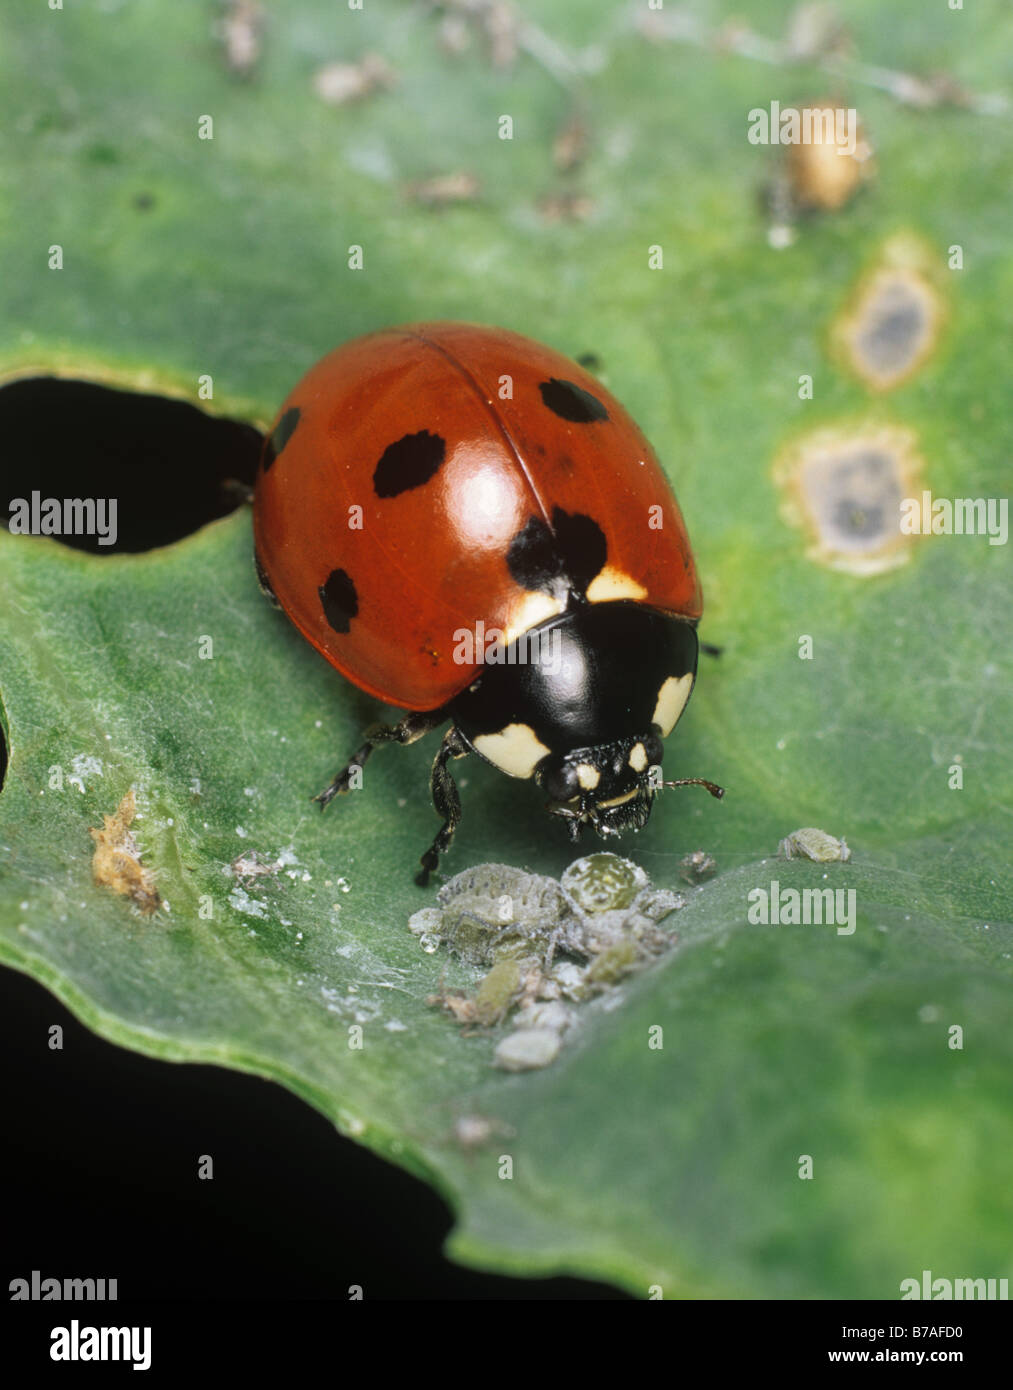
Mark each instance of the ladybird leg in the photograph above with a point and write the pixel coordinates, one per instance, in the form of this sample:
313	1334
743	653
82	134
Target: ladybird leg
446	799
264	582
711	650
413	726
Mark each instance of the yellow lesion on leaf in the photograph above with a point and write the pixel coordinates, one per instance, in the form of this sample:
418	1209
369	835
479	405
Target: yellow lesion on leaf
116	863
844	486
892	324
824	175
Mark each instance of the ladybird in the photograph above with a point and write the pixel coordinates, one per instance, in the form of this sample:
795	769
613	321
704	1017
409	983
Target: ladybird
468	526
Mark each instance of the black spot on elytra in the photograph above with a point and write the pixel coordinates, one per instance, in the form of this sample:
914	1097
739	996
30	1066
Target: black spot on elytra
532	558
279	436
264	582
582	544
572	402
408	463
339	599
563	557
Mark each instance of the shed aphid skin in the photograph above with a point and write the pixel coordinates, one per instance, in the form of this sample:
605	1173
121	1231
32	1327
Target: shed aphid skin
427	488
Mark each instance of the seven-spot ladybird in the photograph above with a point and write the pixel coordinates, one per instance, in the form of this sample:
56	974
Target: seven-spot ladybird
468	526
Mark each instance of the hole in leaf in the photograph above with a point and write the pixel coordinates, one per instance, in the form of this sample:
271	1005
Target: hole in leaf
164	462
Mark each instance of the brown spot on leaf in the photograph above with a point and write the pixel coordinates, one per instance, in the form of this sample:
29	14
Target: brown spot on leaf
341	84
454	35
570	146
892	324
844	488
116	863
445	189
823	173
566	206
241	31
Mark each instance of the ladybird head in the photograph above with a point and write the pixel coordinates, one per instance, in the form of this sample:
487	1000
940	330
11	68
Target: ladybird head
588	726
610	787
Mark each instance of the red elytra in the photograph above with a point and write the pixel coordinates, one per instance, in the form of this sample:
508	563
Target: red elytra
428	484
419	545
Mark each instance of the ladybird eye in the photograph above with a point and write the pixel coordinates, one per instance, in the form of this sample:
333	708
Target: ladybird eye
654	749
560	782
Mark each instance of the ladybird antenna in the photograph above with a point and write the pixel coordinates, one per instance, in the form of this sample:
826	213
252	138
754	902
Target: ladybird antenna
712	787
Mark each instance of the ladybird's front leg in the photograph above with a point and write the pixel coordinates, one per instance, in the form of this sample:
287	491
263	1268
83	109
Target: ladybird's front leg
413	726
446	799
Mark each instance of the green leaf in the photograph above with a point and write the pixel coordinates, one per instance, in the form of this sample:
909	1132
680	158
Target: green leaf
676	1166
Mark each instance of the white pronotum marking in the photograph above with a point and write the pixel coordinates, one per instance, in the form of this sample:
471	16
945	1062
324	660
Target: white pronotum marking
515	750
672	699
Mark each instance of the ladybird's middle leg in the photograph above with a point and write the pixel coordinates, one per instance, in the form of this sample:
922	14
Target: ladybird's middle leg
446	799
413	726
